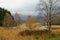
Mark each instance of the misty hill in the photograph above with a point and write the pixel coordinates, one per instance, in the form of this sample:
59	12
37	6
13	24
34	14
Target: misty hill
23	17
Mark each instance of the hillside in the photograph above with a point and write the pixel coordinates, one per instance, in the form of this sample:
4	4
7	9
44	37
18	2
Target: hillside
2	14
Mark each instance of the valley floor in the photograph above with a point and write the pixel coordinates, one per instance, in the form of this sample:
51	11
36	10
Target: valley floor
12	34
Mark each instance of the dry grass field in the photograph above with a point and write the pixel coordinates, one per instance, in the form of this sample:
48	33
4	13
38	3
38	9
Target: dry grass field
12	33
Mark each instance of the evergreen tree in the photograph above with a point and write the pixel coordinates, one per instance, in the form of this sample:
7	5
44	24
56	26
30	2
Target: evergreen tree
2	14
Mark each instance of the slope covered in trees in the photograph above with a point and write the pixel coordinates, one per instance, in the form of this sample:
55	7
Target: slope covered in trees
2	14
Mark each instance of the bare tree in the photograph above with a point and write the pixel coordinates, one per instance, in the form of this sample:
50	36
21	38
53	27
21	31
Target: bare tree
18	18
29	22
48	7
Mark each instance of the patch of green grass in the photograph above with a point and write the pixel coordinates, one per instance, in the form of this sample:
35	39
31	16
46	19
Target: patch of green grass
54	38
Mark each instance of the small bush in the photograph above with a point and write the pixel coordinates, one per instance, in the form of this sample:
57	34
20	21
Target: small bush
53	35
33	32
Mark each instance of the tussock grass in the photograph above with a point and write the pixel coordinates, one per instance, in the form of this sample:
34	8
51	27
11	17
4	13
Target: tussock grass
14	33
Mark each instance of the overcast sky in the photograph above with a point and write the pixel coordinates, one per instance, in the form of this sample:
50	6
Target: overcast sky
26	7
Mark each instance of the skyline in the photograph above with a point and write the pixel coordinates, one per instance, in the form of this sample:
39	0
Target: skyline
26	7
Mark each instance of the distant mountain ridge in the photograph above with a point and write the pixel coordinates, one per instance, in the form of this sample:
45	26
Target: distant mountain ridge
23	17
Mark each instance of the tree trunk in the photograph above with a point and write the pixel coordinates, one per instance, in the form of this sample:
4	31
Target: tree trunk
49	15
